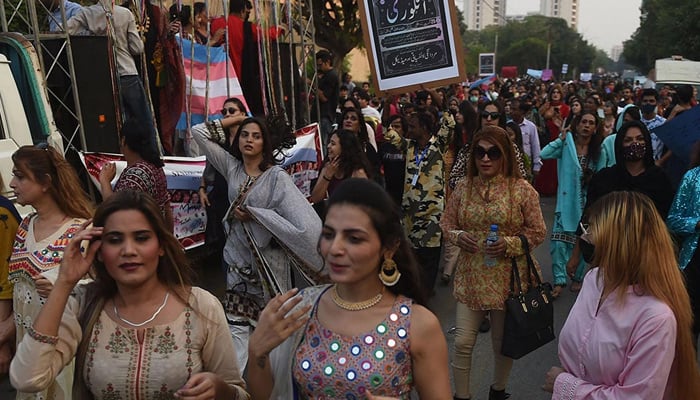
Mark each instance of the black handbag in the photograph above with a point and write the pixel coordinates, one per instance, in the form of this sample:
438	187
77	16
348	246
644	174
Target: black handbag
529	316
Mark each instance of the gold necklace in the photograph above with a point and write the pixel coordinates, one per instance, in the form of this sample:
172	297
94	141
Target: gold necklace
351	306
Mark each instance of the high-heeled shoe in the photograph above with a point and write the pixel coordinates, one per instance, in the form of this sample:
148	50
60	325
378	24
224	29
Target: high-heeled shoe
498	394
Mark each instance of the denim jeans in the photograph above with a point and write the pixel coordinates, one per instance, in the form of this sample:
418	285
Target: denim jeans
136	106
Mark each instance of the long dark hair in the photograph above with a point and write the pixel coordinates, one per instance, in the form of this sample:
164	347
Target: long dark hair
518	134
268	158
173	267
464	132
48	167
386	220
362	134
352	157
596	138
138	139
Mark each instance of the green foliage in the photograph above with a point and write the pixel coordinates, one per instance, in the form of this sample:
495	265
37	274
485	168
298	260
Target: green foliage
668	27
336	24
524	44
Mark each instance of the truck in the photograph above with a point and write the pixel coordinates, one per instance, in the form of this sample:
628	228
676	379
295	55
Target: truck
25	115
677	70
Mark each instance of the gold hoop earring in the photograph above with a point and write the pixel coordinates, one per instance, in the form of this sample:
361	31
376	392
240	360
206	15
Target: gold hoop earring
388	273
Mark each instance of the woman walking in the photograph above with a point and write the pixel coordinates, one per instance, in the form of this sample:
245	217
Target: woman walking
578	155
367	334
493	192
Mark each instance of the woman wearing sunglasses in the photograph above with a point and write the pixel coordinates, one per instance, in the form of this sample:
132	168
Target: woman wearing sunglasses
489	114
578	154
493	192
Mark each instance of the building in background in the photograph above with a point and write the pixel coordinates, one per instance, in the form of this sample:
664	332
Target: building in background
564	9
616	52
479	14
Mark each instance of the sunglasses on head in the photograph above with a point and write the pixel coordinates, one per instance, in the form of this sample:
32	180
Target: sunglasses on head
493	115
229	110
494	153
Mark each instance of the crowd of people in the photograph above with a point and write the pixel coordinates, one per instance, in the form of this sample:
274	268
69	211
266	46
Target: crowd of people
329	296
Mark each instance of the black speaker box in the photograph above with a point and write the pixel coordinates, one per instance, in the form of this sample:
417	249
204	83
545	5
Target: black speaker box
95	91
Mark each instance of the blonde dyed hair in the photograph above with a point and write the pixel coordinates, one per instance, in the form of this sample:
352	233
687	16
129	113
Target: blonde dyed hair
634	247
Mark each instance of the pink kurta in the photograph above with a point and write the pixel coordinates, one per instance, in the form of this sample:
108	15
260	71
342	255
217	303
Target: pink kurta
621	351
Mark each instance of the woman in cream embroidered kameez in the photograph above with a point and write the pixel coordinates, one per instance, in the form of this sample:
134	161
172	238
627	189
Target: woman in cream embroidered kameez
139	331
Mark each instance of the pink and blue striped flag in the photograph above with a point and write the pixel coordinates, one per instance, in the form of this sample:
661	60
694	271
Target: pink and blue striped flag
222	85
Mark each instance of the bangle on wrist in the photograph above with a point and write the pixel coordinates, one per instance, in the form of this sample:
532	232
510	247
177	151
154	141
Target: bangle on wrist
326	178
203	188
39	337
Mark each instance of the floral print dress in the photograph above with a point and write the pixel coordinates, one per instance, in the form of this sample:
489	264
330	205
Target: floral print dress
476	204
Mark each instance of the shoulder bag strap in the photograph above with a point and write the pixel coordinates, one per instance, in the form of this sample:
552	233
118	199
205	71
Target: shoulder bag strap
515	279
532	271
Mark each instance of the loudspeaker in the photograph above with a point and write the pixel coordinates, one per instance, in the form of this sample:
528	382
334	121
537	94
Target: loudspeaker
97	96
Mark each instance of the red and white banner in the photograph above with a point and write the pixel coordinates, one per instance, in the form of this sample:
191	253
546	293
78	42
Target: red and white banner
184	175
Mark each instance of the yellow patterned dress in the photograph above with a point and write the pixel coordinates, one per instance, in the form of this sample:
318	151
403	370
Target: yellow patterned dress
512	204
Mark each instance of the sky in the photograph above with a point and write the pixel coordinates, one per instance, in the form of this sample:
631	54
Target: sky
603	23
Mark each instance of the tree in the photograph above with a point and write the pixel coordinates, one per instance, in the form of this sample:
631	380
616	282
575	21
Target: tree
524	44
336	24
666	28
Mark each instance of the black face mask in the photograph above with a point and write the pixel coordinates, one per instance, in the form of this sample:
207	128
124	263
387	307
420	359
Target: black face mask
634	152
648	108
587	250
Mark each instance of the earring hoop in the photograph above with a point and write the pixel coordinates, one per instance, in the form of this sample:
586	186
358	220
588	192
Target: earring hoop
388	273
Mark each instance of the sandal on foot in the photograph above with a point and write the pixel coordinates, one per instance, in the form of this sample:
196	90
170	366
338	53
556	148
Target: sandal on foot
445	279
576	286
556	292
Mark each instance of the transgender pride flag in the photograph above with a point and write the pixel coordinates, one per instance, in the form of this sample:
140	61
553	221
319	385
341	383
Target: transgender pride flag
220	86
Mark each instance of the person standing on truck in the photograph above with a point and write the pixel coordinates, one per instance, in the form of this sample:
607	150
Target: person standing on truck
54	18
127	43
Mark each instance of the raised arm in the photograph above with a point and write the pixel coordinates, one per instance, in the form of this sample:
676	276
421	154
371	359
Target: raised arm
276	325
51	343
210	136
553	149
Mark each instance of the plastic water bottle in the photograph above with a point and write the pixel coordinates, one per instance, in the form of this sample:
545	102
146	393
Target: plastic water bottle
492	237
